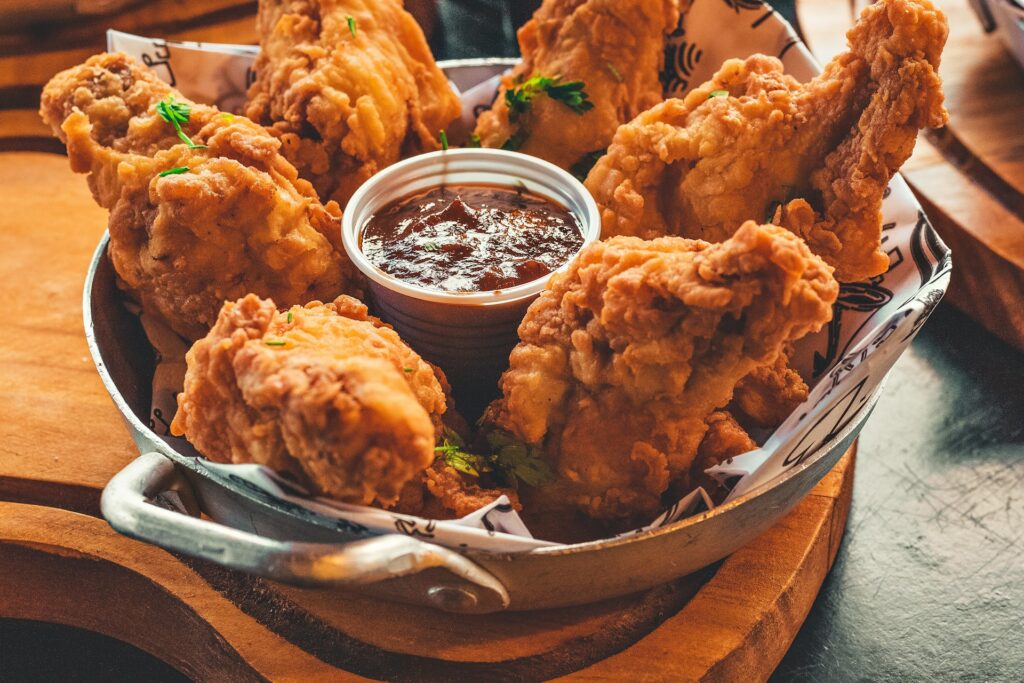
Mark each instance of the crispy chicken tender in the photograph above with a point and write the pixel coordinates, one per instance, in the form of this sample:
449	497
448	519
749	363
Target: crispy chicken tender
324	391
347	101
624	356
699	166
615	47
238	220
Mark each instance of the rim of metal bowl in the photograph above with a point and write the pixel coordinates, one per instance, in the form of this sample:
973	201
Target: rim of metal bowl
165	449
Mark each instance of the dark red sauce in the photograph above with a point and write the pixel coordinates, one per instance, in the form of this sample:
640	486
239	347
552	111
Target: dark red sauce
471	238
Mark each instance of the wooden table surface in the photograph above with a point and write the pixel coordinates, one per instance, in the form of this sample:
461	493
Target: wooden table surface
929	583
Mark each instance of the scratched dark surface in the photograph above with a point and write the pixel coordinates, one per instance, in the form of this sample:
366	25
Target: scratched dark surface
929	581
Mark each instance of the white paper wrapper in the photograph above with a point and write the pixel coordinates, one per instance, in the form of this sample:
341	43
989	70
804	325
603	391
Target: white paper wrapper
874	320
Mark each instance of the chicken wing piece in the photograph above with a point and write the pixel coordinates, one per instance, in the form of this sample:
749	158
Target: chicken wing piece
614	49
624	356
193	225
323	391
350	87
753	138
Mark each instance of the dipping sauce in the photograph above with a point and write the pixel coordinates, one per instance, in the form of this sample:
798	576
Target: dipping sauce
471	238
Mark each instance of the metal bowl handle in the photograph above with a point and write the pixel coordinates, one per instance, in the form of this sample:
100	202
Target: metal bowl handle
126	504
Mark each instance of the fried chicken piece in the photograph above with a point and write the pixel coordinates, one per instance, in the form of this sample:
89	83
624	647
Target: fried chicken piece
442	492
614	47
624	356
769	394
699	166
347	99
236	219
324	391
724	439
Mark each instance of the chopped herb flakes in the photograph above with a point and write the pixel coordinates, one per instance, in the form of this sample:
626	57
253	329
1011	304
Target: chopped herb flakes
718	93
177	170
351	25
444	140
273	342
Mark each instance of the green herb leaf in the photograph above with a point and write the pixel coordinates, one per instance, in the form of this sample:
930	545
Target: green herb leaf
408	369
718	93
614	71
177	170
177	113
289	316
351	25
571	94
431	246
272	342
582	167
452	450
516	141
444	140
474	140
227	116
517	460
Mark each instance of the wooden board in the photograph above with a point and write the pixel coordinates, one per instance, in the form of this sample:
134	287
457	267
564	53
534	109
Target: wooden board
968	176
61	439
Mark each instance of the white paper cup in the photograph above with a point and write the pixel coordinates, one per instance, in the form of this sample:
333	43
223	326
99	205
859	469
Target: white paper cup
469	334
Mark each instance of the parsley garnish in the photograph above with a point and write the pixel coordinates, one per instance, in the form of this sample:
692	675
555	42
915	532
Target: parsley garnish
431	246
289	316
444	140
408	369
474	140
177	113
512	460
718	93
571	94
227	117
351	25
582	167
518	460
275	343
452	449
614	71
173	171
516	141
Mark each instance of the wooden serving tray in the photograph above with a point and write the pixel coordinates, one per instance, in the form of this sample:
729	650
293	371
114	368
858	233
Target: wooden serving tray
61	439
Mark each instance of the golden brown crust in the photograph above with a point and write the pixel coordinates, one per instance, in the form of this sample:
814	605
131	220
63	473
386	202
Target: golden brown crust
769	394
324	390
347	106
239	220
625	355
615	47
699	166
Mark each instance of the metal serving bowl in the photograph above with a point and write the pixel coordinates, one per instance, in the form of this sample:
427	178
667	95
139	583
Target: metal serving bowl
253	533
